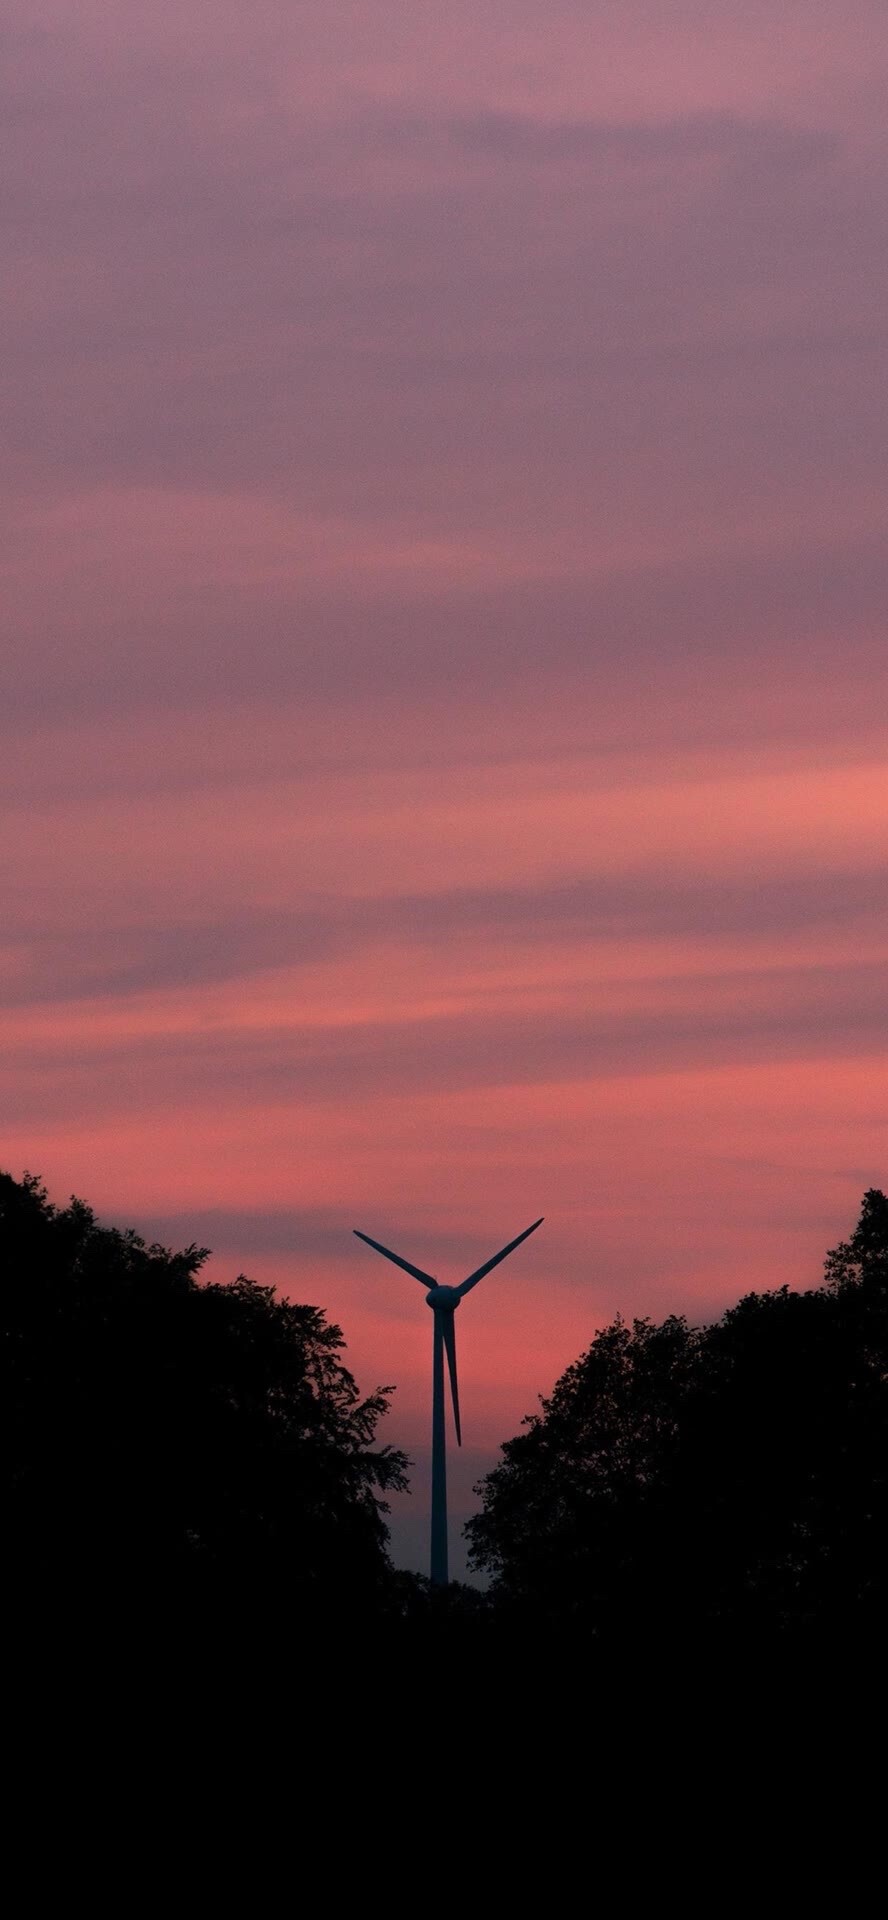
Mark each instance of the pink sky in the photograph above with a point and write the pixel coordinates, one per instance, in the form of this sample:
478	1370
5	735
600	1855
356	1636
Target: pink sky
445	681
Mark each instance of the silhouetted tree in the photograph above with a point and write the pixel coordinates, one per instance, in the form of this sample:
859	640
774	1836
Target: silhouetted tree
730	1480
863	1260
165	1435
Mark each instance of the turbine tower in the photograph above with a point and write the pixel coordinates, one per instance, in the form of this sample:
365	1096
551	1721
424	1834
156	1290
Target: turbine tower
444	1302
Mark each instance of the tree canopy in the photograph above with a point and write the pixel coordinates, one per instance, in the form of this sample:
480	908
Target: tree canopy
729	1478
166	1433
201	1442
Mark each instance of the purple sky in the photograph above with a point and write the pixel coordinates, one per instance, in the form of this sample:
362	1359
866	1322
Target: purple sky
444	694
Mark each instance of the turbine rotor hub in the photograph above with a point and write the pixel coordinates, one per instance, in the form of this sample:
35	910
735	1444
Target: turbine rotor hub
445	1299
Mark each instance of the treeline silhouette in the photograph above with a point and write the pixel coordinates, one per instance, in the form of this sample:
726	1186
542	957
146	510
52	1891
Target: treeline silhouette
714	1482
178	1442
172	1439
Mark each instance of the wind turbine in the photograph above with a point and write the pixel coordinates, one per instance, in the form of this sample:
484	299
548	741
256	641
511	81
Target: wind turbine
444	1302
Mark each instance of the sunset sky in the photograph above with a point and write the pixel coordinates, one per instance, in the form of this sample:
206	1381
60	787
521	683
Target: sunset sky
445	685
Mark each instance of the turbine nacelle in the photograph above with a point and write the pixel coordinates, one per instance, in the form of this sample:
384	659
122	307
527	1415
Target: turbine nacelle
443	1299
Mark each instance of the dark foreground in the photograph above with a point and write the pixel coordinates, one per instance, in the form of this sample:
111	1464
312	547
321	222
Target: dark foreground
192	1474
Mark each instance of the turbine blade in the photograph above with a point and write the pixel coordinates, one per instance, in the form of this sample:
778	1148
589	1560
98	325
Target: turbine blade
480	1271
449	1331
426	1279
